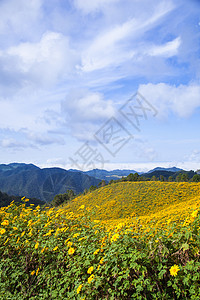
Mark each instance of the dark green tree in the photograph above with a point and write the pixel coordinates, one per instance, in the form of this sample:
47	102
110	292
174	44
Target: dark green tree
196	178
179	177
63	198
162	178
132	177
184	177
92	188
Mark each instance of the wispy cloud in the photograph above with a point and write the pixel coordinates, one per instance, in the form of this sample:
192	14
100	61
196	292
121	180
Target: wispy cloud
66	65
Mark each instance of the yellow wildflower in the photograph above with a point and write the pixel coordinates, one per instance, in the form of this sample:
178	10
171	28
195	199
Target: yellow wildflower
75	235
71	251
5	223
69	244
90	270
114	237
15	228
33	272
43	249
91	278
101	261
55	248
194	213
174	270
36	245
96	252
79	288
2	230
37	271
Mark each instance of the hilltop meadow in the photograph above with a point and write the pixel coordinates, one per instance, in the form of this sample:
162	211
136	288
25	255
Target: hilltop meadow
126	240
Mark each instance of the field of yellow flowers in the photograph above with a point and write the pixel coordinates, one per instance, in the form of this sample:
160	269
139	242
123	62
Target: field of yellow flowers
129	240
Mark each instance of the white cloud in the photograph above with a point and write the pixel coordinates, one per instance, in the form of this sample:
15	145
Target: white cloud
166	50
84	111
181	100
42	62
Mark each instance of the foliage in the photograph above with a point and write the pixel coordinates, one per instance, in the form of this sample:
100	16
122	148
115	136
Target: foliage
60	254
63	198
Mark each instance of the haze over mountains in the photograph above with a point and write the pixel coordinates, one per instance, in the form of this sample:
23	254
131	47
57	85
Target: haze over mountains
28	180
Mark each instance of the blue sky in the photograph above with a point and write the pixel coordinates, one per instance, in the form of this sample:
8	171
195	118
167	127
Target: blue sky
69	68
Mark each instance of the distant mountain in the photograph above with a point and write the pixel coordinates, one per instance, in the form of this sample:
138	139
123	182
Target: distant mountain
167	174
107	175
173	169
31	181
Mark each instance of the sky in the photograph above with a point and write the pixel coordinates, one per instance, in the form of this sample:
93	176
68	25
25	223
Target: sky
100	83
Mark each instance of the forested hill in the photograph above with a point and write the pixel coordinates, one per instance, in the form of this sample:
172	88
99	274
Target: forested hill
31	181
5	200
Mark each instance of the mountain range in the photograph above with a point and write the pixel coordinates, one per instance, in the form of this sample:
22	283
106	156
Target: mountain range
29	180
20	179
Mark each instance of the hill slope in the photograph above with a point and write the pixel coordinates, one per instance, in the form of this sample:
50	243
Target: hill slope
139	199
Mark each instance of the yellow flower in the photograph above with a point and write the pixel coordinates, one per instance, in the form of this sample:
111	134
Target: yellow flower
71	251
194	214
79	288
101	261
90	270
69	244
114	237
75	235
26	200
6	241
96	252
36	245
15	228
23	233
82	207
91	278
43	249
55	248
5	223
37	271
174	270
2	230
33	272
49	232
